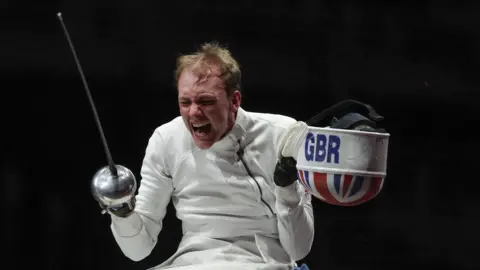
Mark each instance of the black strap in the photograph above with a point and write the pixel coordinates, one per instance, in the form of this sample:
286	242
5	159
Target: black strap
351	121
347	106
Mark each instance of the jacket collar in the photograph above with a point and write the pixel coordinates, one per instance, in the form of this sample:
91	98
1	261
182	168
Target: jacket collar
231	141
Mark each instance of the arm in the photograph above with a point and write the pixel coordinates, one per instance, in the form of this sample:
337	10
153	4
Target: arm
136	234
295	220
293	203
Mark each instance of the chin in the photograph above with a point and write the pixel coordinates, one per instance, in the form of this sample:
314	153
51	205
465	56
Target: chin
203	145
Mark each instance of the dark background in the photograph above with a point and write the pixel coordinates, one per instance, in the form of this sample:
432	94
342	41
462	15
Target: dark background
416	62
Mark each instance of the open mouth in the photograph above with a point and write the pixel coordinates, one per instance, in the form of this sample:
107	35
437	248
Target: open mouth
201	130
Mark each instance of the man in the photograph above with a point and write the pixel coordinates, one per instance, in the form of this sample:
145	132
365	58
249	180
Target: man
216	162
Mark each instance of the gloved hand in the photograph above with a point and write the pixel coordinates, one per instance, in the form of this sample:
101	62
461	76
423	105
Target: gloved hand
289	142
121	210
285	172
115	190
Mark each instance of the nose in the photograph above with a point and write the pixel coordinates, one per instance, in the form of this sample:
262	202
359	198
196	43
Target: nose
195	110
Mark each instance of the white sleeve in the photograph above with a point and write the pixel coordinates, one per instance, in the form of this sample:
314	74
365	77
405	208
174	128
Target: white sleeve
137	234
293	204
295	220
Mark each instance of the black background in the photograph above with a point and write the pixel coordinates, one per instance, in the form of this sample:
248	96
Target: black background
416	62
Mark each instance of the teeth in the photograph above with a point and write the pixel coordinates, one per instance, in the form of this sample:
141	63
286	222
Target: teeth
199	125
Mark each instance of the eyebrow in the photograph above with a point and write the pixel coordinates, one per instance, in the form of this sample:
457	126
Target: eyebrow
199	97
205	95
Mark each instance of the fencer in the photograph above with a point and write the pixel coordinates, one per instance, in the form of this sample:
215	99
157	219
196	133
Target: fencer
232	175
216	162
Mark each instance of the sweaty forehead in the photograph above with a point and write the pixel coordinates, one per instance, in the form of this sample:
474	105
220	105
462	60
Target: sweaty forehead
191	83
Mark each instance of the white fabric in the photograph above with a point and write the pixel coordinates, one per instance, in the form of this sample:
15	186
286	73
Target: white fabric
291	140
225	222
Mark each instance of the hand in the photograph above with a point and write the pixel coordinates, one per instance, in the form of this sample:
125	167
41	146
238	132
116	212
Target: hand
285	172
115	193
291	140
121	210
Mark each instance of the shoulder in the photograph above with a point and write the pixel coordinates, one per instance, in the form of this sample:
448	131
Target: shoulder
277	121
169	142
171	135
170	130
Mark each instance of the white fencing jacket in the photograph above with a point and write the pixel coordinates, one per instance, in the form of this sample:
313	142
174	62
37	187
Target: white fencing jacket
233	215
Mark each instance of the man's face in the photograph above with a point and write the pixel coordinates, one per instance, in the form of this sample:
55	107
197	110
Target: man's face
205	107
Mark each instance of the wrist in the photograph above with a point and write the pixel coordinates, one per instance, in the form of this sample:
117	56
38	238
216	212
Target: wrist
288	195
121	212
124	210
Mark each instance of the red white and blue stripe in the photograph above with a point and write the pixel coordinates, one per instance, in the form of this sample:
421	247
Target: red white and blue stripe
341	189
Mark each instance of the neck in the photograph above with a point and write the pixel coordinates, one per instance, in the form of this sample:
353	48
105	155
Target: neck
231	123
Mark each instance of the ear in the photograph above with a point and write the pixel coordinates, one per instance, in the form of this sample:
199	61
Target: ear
236	100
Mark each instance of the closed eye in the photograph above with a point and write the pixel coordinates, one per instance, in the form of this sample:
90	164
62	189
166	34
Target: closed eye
207	102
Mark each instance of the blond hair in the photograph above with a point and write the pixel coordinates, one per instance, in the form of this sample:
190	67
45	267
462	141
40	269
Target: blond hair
212	55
